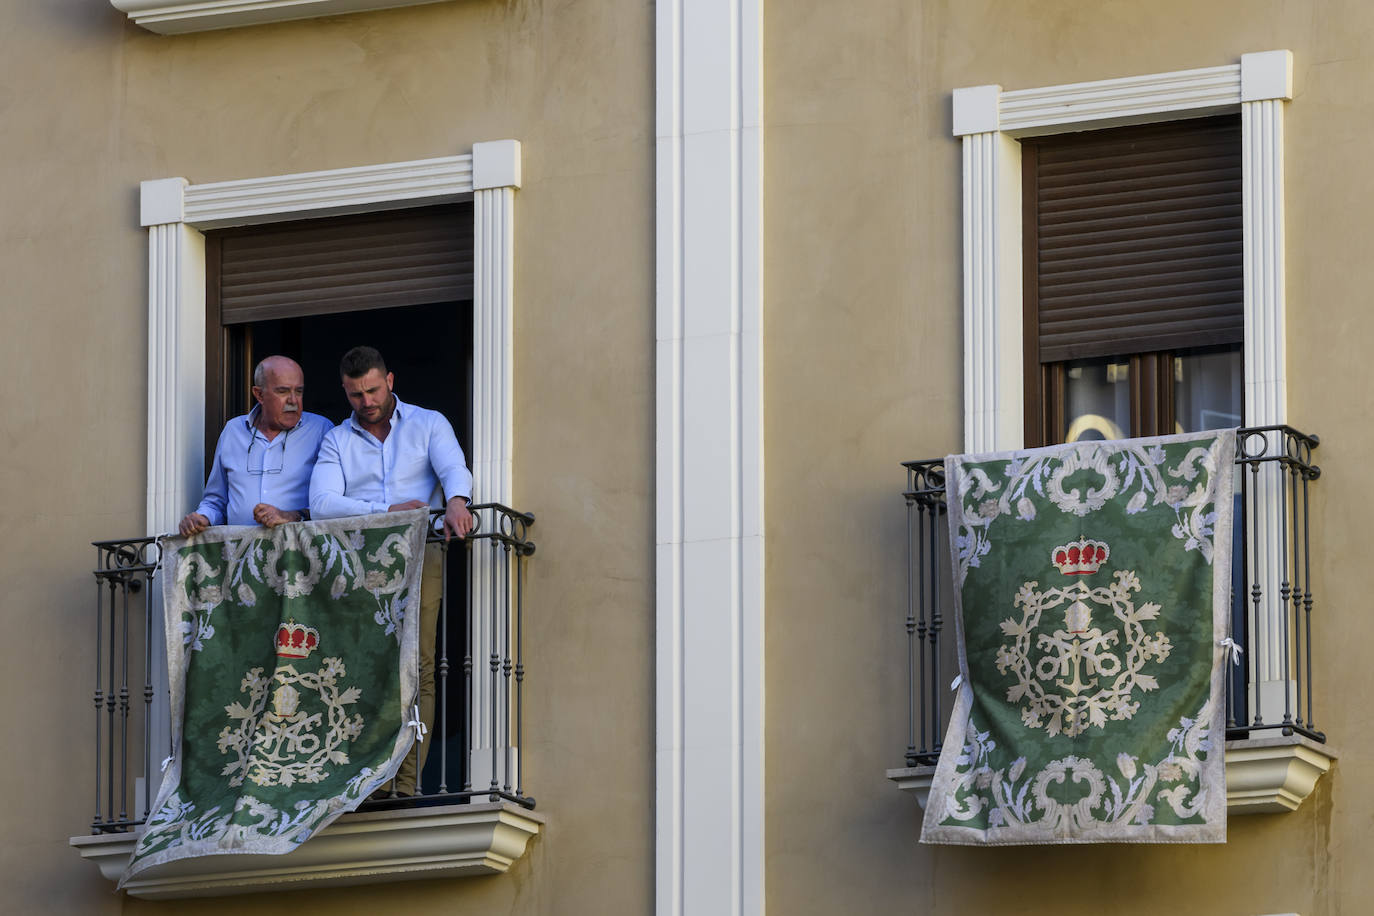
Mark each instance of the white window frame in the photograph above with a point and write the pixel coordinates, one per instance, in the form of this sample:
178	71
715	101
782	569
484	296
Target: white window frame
990	121
175	212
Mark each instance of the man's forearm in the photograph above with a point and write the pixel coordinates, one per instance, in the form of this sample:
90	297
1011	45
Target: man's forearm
336	505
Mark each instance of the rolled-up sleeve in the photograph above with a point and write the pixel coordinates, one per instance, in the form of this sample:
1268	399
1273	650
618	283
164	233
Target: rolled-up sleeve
328	482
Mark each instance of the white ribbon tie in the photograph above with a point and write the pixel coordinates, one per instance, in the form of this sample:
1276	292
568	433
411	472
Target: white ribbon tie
1236	651
420	729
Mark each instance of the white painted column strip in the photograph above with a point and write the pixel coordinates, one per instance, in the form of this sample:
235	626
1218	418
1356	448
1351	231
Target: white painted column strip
709	617
1265	350
993	388
176	396
1266	80
495	177
493	354
176	357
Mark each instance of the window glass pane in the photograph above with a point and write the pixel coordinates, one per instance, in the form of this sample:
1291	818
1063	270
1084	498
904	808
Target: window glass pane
1097	399
1207	390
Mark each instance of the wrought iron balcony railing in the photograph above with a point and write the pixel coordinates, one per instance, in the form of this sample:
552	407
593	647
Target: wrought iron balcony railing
1271	605
477	732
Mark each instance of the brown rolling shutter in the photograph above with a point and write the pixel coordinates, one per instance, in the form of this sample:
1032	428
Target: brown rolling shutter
1134	239
343	264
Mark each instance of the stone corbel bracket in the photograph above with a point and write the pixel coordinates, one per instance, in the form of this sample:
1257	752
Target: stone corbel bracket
174	17
1263	775
1273	775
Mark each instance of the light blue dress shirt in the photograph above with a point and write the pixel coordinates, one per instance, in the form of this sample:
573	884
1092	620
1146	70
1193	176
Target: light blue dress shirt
249	469
357	474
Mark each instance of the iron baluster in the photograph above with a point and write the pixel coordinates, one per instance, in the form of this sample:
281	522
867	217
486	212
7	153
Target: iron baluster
519	672
99	692
442	671
936	622
124	711
468	736
1256	590
110	702
1307	591
495	666
147	694
506	665
911	703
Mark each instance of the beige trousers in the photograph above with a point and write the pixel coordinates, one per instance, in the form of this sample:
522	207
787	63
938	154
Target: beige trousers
431	598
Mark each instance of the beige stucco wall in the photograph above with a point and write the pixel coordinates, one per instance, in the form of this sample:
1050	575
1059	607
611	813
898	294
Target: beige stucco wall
89	107
863	370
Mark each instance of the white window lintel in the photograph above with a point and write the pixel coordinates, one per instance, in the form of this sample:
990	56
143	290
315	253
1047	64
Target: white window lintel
1259	76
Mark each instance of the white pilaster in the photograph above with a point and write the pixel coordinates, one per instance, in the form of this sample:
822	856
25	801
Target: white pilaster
176	359
709	665
176	396
493	356
1266	83
993	395
493	351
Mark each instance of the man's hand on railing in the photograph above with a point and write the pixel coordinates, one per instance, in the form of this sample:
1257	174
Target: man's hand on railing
193	523
270	516
457	518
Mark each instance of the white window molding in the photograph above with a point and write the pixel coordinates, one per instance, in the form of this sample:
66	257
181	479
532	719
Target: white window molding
175	212
173	17
709	669
989	120
420	843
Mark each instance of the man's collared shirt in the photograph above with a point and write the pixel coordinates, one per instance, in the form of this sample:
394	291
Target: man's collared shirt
250	469
357	474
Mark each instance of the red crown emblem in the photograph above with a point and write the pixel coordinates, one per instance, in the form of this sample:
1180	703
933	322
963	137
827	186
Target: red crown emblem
296	640
1081	557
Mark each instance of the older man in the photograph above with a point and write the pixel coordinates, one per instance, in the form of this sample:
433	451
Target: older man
264	459
387	457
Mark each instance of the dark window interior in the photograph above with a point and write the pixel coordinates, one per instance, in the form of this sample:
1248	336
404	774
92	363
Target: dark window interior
427	347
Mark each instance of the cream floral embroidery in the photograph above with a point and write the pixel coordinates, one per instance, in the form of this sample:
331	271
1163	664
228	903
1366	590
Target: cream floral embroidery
1111	468
1075	677
285	745
1072	795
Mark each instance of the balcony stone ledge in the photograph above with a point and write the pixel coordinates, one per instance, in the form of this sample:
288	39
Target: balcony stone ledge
174	17
1263	775
361	848
1273	774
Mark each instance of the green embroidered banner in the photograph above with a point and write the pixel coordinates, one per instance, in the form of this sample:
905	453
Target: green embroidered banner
1093	586
292	670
